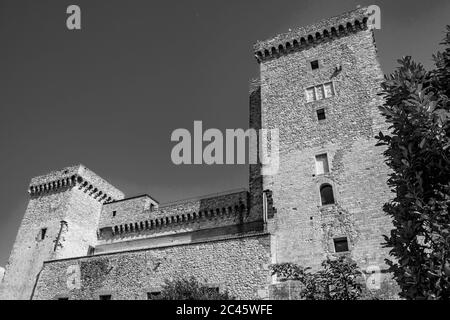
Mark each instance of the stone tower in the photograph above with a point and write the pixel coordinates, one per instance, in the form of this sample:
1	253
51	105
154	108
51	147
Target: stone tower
318	87
60	222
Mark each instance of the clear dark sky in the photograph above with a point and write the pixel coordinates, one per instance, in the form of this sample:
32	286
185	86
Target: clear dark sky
110	95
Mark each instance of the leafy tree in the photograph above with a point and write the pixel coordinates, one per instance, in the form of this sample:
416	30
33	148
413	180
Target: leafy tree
190	289
289	271
339	279
417	150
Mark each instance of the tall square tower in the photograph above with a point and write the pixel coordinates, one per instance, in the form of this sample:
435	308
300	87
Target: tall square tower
318	87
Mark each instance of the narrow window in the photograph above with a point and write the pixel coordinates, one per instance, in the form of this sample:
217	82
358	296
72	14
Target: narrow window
314	64
311	94
320	93
329	89
91	251
341	244
322	164
326	194
114	213
321	114
155	295
63	298
105	297
43	233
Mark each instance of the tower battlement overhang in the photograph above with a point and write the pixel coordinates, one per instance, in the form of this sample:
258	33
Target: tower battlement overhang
78	176
304	37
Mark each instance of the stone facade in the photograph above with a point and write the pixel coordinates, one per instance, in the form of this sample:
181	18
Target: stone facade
304	229
60	222
81	239
238	265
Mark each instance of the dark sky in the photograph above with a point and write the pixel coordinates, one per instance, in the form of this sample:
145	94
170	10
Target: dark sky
110	95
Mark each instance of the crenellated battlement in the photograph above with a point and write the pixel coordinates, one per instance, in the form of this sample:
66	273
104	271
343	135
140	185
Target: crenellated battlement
75	176
135	216
308	36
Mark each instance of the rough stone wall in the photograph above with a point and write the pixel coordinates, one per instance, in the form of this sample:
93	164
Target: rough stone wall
29	251
239	265
304	229
127	210
69	211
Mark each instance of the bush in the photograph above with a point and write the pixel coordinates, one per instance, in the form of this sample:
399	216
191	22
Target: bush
339	279
418	152
190	289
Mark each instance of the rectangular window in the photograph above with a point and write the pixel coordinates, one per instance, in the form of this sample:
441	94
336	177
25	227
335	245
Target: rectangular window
114	213
105	297
322	164
63	298
91	251
315	65
341	244
321	114
320	92
155	295
329	89
43	233
310	94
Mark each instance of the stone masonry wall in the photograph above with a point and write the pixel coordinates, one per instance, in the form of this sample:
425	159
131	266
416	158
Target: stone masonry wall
60	222
304	229
29	250
239	265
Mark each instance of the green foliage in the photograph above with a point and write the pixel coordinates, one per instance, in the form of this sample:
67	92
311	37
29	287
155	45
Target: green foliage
417	150
339	279
289	271
190	289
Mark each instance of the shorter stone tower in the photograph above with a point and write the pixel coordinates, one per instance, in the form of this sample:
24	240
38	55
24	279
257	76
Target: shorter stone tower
60	222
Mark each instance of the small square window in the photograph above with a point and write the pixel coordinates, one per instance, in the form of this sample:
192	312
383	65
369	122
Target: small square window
341	244
156	295
43	233
314	64
321	114
105	297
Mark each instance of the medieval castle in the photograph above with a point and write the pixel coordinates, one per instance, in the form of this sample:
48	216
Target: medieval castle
81	238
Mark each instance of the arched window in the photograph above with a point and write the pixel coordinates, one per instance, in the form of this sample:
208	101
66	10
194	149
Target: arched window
326	194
